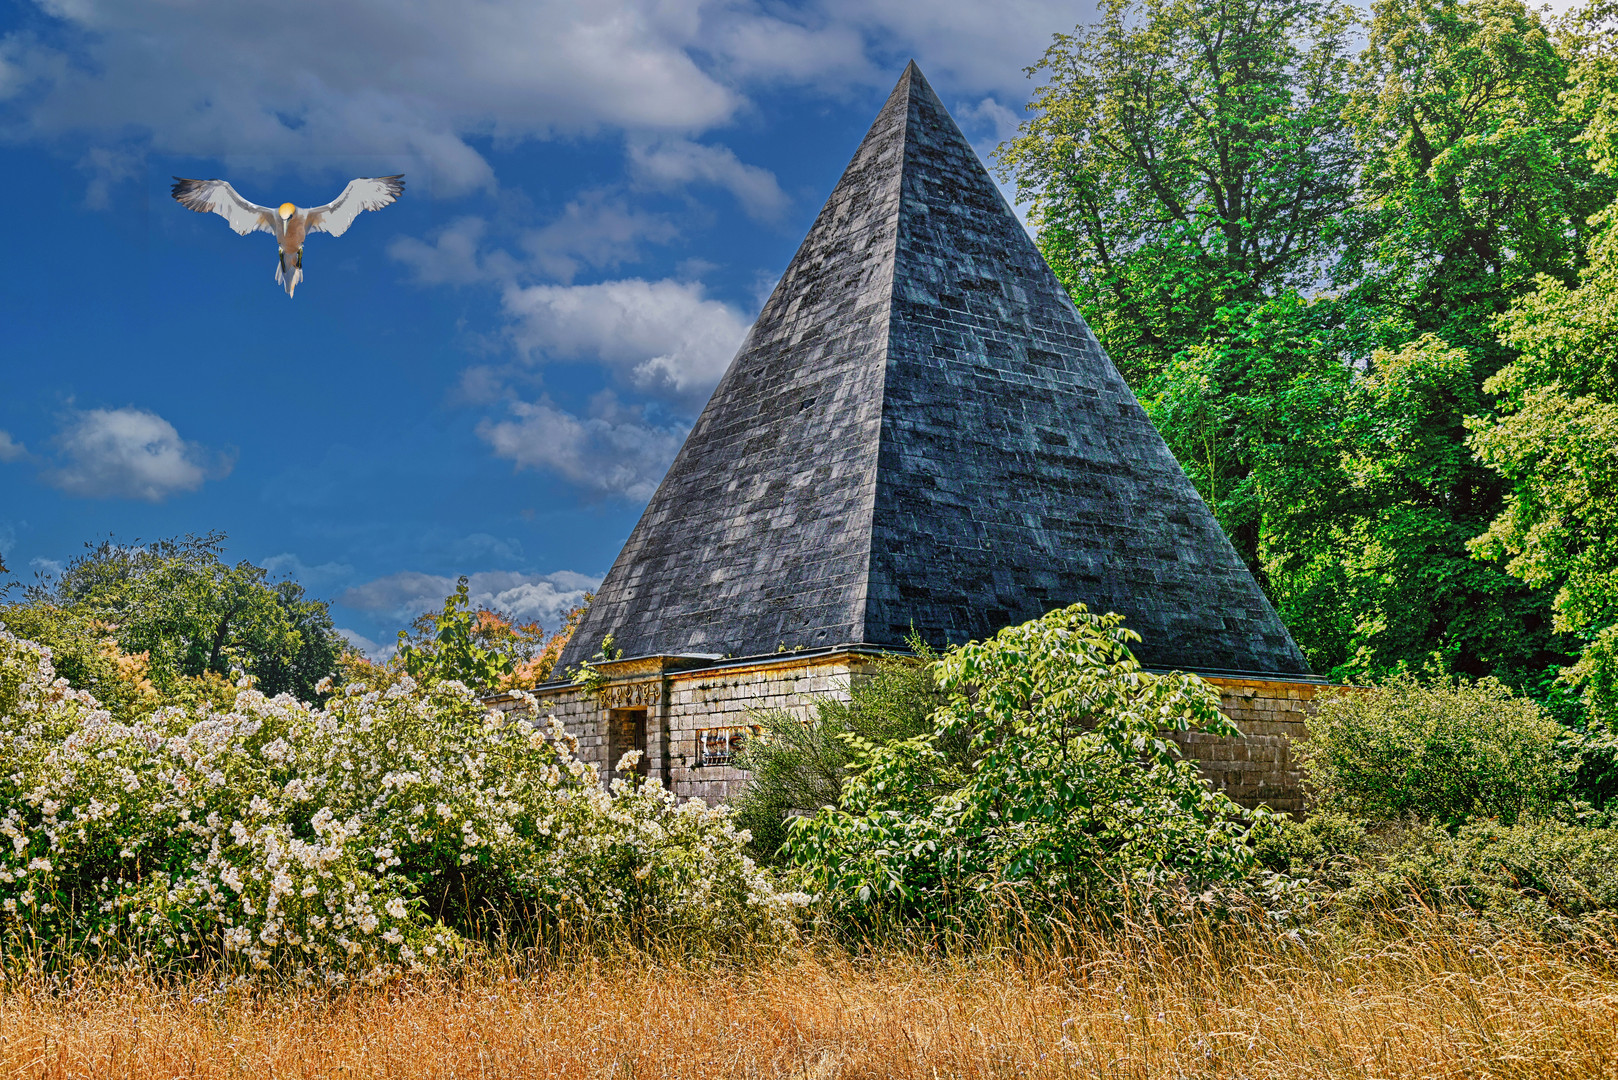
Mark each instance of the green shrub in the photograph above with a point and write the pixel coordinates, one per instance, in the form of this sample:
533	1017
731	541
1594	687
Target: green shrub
1068	785
1594	751
1554	878
384	830
1449	751
797	768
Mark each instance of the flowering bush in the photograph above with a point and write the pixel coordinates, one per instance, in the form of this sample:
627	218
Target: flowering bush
387	828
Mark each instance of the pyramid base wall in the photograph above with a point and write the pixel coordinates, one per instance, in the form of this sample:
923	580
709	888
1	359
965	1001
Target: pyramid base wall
689	715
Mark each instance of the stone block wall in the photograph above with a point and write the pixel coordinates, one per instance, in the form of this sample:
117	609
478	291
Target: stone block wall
1259	768
728	698
682	701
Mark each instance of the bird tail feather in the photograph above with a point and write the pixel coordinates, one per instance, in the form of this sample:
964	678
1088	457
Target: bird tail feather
288	281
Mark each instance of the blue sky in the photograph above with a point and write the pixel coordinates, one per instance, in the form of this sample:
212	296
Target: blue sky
490	376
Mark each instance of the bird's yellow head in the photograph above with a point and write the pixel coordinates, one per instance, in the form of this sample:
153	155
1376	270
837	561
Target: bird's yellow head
286	210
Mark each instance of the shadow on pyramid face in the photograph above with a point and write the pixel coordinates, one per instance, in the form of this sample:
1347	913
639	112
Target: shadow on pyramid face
921	431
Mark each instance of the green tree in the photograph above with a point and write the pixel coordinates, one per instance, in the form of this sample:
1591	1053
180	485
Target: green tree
486	649
1473	184
1188	172
1552	440
1317	383
1369	558
1183	156
189	612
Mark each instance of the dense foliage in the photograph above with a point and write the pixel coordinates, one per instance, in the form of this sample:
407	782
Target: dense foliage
1362	296
185	612
797	767
1070	785
1439	750
387	829
1551	878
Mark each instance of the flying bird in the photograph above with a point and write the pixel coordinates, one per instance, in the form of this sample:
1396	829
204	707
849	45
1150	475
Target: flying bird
287	223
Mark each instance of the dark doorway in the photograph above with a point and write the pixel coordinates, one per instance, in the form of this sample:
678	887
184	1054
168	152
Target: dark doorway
626	731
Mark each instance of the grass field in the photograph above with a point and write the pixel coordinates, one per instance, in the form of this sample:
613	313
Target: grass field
1438	1003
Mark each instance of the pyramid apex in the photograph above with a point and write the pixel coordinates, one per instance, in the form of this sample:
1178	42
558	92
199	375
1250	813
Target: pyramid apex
911	78
921	435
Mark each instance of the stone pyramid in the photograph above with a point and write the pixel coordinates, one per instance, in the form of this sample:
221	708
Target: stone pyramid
920	431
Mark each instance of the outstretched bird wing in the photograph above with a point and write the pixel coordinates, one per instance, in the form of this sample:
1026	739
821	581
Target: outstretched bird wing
366	193
218	197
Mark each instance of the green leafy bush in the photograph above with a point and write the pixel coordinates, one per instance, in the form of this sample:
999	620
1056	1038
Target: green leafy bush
1449	751
796	767
384	830
1554	878
1595	783
1069	784
450	649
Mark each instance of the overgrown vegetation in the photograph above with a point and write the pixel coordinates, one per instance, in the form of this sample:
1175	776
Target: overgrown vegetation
1428	1000
384	830
1440	750
1027	777
1069	785
1359	271
797	767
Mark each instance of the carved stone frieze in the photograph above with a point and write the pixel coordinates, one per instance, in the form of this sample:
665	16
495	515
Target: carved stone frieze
632	695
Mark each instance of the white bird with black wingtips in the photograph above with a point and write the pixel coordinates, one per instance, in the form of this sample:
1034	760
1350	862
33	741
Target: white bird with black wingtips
288	223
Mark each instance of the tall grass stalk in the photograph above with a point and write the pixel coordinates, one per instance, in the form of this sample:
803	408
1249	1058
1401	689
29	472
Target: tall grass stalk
1429	997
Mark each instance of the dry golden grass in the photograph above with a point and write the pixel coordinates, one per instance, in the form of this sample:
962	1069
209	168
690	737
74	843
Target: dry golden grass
1427	1005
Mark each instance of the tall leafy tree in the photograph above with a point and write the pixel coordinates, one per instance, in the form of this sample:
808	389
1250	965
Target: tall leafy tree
1188	169
1554	438
1473	183
1473	180
1186	155
178	602
1317	383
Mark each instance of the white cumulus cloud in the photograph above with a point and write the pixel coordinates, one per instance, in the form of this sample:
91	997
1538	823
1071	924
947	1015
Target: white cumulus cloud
347	82
596	231
612	450
10	449
662	337
128	453
678	163
541	598
339	87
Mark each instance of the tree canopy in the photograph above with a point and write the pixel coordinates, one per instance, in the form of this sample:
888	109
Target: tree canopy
177	603
1343	282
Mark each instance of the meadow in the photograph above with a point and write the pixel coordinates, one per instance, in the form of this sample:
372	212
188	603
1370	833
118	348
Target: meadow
1433	1000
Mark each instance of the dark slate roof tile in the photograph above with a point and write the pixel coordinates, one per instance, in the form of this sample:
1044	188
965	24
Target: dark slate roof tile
921	430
